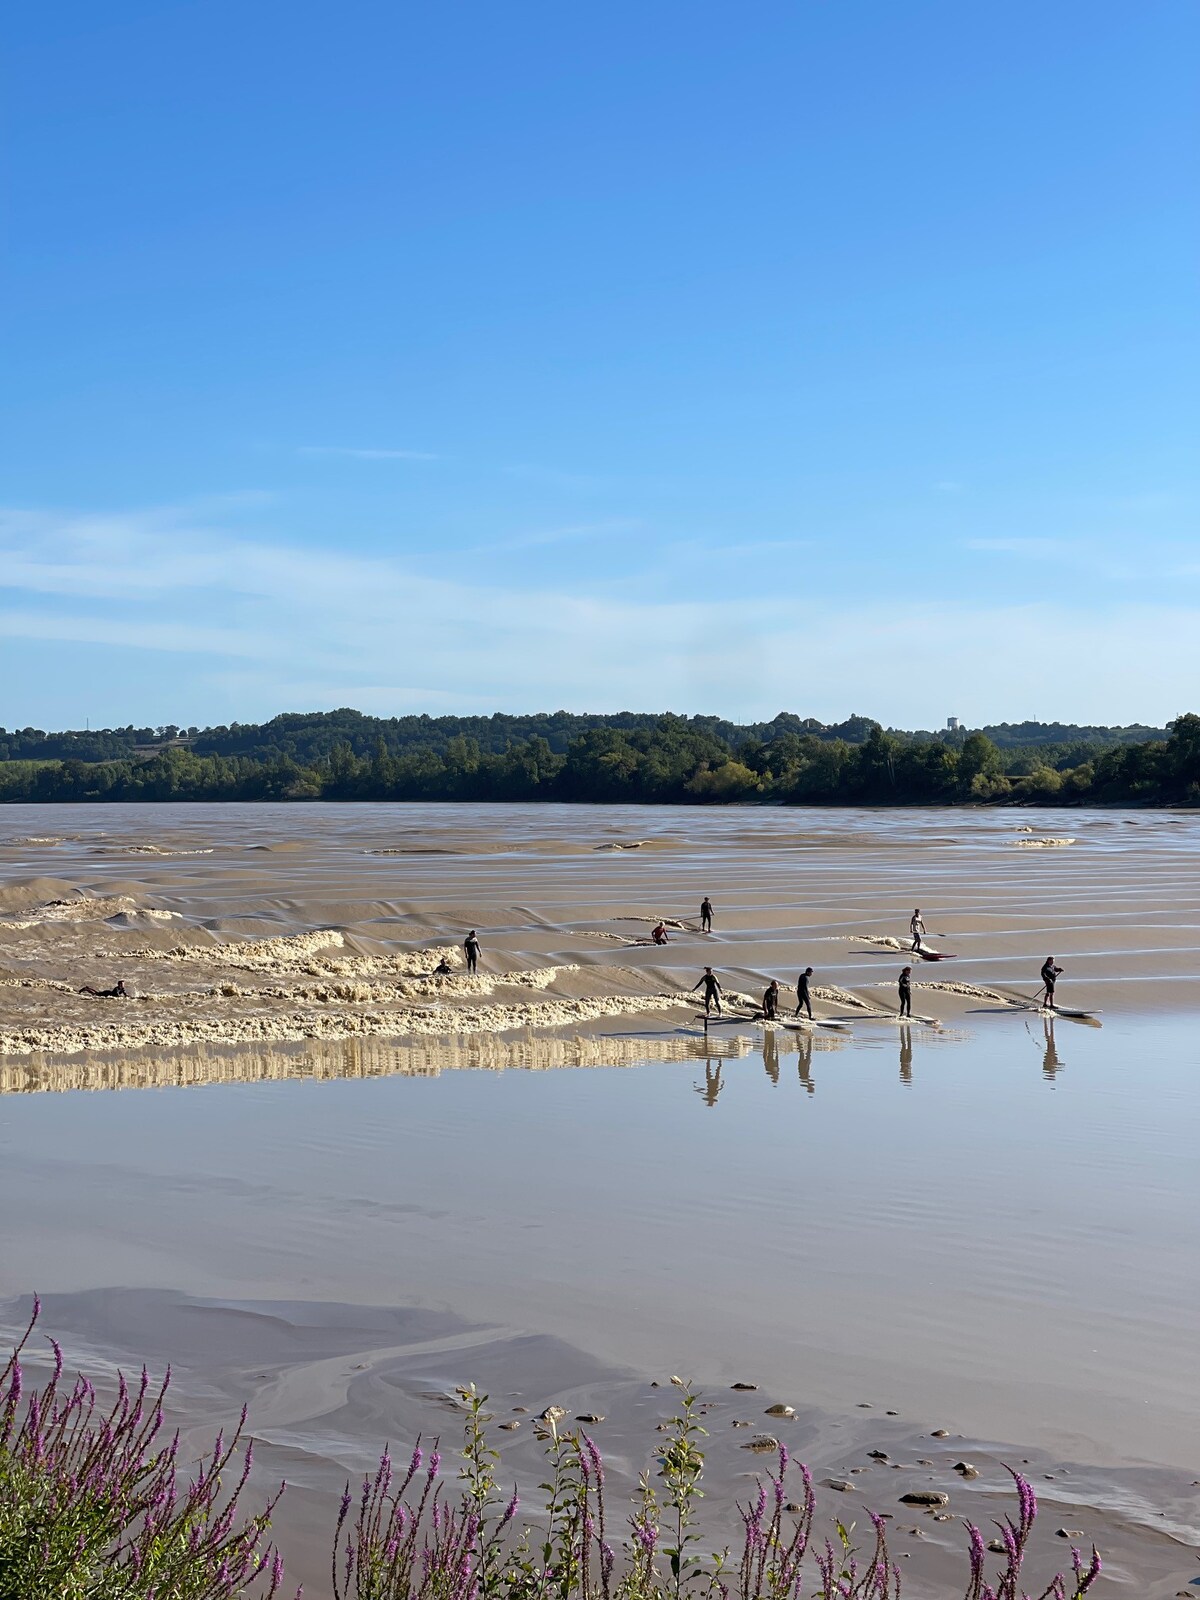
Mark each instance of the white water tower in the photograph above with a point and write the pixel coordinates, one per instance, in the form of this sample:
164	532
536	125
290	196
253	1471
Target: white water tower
952	724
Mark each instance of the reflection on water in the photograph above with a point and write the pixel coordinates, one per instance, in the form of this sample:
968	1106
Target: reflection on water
1052	1062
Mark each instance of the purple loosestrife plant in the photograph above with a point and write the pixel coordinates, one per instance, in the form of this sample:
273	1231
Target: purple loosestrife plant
92	1502
93	1507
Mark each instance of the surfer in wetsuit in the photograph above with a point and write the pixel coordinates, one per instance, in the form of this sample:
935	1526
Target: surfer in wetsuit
443	969
706	915
1050	974
905	988
471	947
803	1000
917	928
712	991
770	1001
117	992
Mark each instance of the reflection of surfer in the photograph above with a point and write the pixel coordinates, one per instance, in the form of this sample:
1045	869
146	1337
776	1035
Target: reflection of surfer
917	928
1050	974
804	1065
706	915
712	1083
905	1055
771	1056
803	999
905	989
712	991
1050	1060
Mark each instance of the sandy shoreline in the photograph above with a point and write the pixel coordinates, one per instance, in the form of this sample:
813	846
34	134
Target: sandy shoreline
327	1384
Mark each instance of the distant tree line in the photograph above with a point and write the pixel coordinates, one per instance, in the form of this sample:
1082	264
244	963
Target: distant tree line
311	737
681	760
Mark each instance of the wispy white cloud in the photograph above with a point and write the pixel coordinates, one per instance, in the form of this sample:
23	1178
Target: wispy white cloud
283	625
358	453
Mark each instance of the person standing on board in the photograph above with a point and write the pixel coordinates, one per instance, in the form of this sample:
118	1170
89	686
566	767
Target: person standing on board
803	1001
770	1001
706	915
712	991
1049	978
905	988
471	946
917	928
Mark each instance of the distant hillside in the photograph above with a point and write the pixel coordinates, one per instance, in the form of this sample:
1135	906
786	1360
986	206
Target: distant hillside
625	758
312	736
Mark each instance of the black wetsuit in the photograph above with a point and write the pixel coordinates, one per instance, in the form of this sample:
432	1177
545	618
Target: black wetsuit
706	916
770	1002
803	1003
1049	977
905	987
712	992
471	946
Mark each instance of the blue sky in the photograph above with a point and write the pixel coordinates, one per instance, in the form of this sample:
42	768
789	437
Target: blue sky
829	357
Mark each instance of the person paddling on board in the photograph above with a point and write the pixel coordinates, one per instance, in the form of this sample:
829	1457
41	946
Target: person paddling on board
905	988
471	946
770	1001
917	928
712	991
1050	974
803	1000
706	915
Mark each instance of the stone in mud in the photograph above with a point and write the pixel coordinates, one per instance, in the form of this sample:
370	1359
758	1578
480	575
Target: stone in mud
840	1484
552	1414
762	1444
793	1508
509	1426
780	1411
997	1545
878	1455
925	1497
743	1386
966	1469
940	1433
589	1416
736	1424
521	1409
941	1516
1069	1533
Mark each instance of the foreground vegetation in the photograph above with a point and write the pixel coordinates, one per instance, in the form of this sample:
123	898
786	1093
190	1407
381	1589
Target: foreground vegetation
92	1507
627	759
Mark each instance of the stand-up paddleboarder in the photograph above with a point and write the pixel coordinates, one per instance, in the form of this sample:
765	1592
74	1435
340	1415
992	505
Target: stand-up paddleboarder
917	928
1050	974
471	947
905	988
803	1000
706	915
712	991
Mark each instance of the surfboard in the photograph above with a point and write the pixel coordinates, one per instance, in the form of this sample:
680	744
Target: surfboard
1061	1011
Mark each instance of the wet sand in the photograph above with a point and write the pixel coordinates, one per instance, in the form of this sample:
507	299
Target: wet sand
987	1226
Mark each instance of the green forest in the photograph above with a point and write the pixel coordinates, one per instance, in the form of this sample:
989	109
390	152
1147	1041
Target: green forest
628	757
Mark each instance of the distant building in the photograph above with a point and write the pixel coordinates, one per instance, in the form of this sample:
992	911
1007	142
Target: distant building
952	724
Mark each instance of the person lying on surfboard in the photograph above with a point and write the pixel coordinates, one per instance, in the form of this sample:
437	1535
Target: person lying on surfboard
917	928
1049	978
803	1001
712	991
